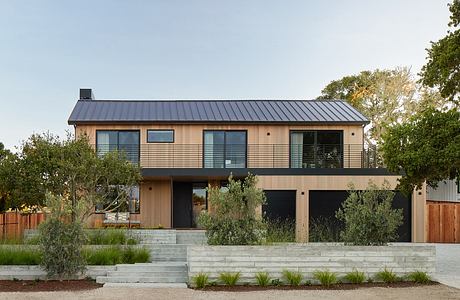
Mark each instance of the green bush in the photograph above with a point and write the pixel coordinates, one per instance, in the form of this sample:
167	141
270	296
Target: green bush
229	279
292	278
262	278
326	278
419	277
369	217
233	220
324	229
280	231
355	277
19	256
201	280
108	236
387	276
116	255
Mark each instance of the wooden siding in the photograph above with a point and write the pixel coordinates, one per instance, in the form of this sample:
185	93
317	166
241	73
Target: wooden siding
12	224
443	222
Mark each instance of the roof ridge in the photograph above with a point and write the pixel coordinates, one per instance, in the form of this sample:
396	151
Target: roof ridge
207	100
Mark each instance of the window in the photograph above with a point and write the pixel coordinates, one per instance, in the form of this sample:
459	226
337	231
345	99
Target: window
316	149
199	201
160	136
224	149
126	141
120	198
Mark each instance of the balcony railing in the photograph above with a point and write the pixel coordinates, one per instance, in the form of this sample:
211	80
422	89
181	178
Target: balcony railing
171	155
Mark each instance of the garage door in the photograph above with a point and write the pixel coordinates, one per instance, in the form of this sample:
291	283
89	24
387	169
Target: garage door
324	204
280	205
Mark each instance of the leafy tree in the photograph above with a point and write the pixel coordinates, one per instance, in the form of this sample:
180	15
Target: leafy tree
233	219
426	148
368	216
443	67
6	182
385	97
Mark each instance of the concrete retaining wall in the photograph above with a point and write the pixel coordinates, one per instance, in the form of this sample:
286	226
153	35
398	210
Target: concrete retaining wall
35	272
307	258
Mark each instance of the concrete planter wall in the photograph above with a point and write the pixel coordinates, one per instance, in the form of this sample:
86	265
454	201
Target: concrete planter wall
306	258
35	272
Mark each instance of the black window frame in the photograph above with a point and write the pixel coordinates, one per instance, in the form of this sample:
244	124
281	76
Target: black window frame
167	142
316	141
225	145
118	139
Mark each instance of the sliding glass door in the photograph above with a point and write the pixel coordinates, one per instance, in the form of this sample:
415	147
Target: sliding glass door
224	149
316	149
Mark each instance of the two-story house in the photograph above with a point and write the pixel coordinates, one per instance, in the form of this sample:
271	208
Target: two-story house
305	154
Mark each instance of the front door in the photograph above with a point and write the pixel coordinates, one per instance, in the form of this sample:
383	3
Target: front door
182	204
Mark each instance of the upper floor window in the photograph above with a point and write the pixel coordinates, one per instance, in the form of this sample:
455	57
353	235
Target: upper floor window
126	141
317	149
160	136
224	149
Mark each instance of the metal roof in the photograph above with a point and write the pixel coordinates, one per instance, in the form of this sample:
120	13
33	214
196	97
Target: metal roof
210	111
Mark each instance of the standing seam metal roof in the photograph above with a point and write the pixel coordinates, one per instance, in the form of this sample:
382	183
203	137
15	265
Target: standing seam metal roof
203	111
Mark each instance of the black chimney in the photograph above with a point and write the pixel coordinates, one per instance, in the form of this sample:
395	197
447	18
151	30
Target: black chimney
86	94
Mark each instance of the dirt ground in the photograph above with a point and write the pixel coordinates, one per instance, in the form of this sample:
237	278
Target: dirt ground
437	292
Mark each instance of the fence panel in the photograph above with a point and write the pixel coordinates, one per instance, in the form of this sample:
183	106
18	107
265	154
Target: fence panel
443	222
12	224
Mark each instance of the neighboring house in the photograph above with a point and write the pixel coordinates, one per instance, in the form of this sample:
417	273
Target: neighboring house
447	190
305	153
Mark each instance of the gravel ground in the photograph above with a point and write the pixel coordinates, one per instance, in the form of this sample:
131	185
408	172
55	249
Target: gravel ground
438	292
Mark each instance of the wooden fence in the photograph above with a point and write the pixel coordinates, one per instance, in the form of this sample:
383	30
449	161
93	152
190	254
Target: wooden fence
12	224
443	222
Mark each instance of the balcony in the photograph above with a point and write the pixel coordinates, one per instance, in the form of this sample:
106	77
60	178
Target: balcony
251	156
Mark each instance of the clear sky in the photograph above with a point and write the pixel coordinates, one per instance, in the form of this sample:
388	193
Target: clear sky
165	49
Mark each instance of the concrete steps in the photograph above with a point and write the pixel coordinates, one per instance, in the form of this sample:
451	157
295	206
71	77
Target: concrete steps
191	237
166	252
149	236
155	272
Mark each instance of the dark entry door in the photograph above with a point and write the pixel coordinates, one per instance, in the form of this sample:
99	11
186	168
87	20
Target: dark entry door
182	204
280	205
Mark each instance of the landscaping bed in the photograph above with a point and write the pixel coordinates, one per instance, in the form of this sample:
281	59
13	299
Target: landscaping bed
340	286
47	285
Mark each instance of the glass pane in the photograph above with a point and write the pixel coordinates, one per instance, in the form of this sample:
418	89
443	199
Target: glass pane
160	136
199	201
129	143
329	150
106	141
235	149
303	149
133	199
214	149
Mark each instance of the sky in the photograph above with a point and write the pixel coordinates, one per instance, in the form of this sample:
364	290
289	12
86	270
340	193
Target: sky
195	49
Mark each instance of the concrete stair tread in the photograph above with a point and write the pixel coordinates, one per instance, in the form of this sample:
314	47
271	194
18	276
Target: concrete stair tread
144	285
133	279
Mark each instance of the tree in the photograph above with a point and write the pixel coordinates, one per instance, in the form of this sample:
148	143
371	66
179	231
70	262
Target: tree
368	216
233	219
443	67
385	97
70	168
426	148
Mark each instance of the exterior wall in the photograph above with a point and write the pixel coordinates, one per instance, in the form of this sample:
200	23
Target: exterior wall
303	184
262	137
306	259
446	191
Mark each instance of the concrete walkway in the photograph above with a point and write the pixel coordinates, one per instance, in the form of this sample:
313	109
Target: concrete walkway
448	264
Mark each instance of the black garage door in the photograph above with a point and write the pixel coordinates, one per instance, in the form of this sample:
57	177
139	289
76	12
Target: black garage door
324	204
280	205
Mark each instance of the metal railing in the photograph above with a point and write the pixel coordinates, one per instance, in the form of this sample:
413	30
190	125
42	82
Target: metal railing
171	155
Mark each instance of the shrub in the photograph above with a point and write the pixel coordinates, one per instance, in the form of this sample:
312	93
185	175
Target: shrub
387	276
419	277
110	237
280	231
230	279
292	278
19	256
201	280
324	229
262	278
233	220
355	277
369	217
276	282
116	255
326	278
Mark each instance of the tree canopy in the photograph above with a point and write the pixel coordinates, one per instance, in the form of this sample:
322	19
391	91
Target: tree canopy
425	148
443	67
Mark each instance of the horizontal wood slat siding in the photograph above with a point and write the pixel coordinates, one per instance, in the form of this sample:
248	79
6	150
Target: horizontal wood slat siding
443	222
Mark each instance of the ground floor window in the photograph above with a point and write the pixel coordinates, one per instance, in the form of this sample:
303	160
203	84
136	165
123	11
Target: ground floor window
199	201
120	199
